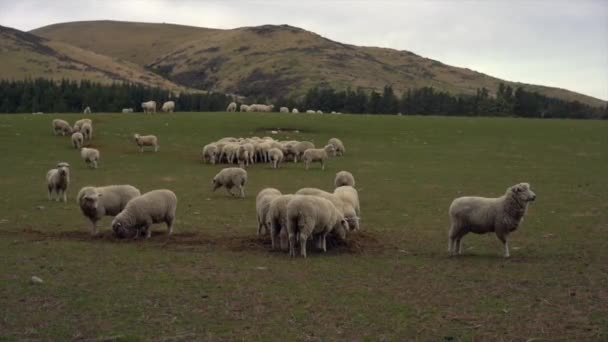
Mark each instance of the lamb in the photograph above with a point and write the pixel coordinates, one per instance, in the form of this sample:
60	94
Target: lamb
338	145
146	140
127	110
58	181
77	140
350	213
284	110
87	110
481	215
168	107
142	211
311	215
350	196
231	177
298	149
149	107
62	127
295	111
210	153
344	178
90	156
231	107
97	202
276	220
262	204
87	130
317	155
276	157
244	108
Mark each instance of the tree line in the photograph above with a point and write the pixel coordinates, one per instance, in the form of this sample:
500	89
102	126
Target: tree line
41	95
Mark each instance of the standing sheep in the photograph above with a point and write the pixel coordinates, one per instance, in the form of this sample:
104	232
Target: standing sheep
262	204
168	107
90	156
276	220
276	157
61	127
87	130
146	140
87	110
349	211
298	149
482	215
284	110
231	177
344	178
149	107
317	155
210	153
242	156
142	211
232	107
77	140
78	124
58	181
95	203
338	145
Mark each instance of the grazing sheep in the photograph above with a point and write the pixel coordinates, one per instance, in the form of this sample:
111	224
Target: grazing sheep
168	107
260	108
127	110
227	140
87	130
90	156
298	149
210	153
338	145
350	197
58	181
344	178
295	111
276	220
276	157
242	156
262	204
61	127
230	153
244	108
78	124
231	177
261	151
250	151
87	110
310	215
149	107
310	111
349	211
482	215
97	202
142	211
146	140
231	107
284	110
77	140
317	155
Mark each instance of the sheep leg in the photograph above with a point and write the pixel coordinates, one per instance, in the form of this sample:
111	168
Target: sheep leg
503	238
156	148
273	236
169	221
324	242
242	191
50	191
323	165
283	239
65	195
147	230
306	164
303	241
141	149
94	227
292	244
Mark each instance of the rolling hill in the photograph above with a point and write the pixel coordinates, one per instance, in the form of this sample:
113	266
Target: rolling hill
272	60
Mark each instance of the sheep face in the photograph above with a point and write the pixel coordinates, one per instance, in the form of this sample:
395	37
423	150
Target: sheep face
92	201
352	223
523	192
215	184
342	228
63	169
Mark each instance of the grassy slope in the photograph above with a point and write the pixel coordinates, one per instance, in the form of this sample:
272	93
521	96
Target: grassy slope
275	59
204	282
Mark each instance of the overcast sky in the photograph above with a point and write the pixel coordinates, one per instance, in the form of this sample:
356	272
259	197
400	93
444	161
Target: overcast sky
556	43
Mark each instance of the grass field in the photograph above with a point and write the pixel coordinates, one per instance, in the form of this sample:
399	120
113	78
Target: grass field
215	280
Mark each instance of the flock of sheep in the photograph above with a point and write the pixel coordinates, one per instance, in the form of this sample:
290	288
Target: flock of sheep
291	220
232	107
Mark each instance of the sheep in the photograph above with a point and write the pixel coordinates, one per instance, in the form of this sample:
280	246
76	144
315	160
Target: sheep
244	108
97	202
146	140
310	111
90	156
319	112
298	149
210	153
338	145
168	107
350	197
276	220
310	215
142	211
227	140
262	204
295	111
87	110
58	181
127	110
260	108
250	151
242	156
231	107
261	151
344	178
317	155
87	130
230	152
284	110
349	211
149	107
231	177
78	124
62	127
77	140
276	157
481	215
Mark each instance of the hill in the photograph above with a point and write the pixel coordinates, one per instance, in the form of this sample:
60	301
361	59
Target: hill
273	60
25	55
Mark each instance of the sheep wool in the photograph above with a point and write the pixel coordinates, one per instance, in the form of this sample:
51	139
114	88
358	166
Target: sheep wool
262	205
231	177
344	178
141	212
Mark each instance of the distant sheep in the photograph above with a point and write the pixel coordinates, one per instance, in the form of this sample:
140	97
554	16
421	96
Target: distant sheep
338	145
295	111
481	215
146	140
210	153
87	130
276	157
231	107
97	202
310	111
244	108
284	110
298	149
319	112
344	178
276	220
87	110
77	140
231	177
262	204
90	156
260	108
317	155
168	107
142	211
127	110
58	181
149	107
78	124
61	127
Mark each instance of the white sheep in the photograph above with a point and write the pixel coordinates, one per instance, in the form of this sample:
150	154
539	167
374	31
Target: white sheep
244	108
262	204
97	202
242	156
61	127
350	197
58	181
146	140
298	149
276	220
295	111
319	111
77	140
276	157
142	211
78	124
310	216
231	107
338	145
229	152
87	110
168	107
229	178
317	155
250	147
310	111
261	151
284	110
149	107
87	130
127	110
90	156
344	178
210	153
349	211
481	215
